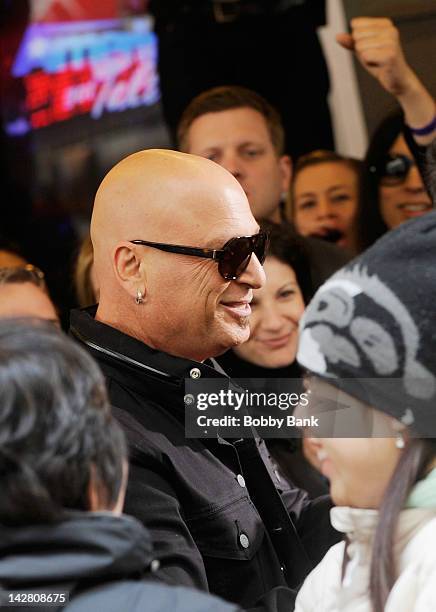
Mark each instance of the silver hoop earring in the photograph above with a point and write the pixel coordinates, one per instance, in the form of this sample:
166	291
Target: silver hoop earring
399	441
139	297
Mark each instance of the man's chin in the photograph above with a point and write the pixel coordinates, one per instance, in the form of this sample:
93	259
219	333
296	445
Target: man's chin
235	336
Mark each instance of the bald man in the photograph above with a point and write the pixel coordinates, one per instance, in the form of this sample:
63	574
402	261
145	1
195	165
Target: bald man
165	311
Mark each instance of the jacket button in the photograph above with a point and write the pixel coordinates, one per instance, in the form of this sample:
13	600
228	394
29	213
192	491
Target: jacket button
244	541
195	373
241	480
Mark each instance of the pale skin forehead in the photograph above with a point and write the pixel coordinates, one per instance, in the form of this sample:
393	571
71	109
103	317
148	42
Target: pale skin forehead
234	126
167	196
25	300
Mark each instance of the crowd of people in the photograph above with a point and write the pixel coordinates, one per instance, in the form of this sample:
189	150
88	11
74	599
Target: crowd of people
225	260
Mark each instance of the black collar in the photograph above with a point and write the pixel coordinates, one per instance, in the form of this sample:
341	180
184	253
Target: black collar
119	346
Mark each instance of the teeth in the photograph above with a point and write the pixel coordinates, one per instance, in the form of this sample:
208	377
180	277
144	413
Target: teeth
415	207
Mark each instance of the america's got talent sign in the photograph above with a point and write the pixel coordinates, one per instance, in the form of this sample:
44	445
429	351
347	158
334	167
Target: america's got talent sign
85	68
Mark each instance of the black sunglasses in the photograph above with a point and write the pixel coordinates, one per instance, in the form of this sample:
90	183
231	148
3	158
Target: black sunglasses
232	259
392	169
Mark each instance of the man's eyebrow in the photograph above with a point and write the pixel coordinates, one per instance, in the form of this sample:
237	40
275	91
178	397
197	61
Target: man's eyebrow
210	148
245	143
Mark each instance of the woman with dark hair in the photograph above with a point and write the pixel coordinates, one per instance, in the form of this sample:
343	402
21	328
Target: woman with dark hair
324	196
271	350
63	471
392	187
367	342
392	184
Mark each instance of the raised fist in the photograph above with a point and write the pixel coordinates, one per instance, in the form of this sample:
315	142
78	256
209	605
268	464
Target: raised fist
376	43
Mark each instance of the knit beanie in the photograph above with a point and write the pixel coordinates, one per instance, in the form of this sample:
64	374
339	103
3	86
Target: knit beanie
375	321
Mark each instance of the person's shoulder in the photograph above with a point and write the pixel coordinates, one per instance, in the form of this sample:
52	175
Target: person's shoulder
146	596
421	550
338	255
415	588
325	259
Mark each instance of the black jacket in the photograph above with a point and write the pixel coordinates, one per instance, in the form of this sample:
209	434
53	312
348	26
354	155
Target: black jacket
217	520
286	453
100	559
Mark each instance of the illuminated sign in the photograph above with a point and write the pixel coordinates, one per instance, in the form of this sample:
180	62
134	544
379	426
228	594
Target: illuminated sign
85	68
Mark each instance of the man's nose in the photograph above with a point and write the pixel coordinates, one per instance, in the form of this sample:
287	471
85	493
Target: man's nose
231	162
254	274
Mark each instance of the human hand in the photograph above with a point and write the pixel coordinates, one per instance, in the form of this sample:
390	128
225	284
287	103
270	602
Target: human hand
376	43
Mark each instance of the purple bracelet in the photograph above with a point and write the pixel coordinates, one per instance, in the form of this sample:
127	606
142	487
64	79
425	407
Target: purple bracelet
424	131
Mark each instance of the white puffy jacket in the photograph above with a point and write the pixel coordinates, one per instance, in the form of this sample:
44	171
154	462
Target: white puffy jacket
415	554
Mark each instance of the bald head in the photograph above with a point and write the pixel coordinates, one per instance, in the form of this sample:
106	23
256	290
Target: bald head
161	194
167	197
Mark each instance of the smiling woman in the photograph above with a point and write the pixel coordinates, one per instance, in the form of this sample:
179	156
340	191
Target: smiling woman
368	341
392	188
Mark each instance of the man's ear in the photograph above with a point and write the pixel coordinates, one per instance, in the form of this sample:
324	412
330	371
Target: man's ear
128	269
285	164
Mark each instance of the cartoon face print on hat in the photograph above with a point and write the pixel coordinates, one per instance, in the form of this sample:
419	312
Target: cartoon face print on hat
356	326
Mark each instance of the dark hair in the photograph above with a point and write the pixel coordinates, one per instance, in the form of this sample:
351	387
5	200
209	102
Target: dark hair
287	246
228	97
412	467
322	156
430	173
56	429
369	222
10	246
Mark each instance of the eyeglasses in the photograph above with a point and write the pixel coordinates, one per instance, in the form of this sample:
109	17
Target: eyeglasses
392	169
232	259
26	274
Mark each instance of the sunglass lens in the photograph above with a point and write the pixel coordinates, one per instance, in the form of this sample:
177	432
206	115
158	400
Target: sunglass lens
396	166
394	169
237	254
261	246
236	257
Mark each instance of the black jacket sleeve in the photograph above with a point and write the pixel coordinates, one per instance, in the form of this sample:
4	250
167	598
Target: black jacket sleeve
152	500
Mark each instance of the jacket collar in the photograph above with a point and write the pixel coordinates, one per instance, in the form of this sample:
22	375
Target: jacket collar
83	546
116	345
360	524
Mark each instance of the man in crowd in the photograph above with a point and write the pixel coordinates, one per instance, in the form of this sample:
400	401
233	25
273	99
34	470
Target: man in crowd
205	43
220	518
240	130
